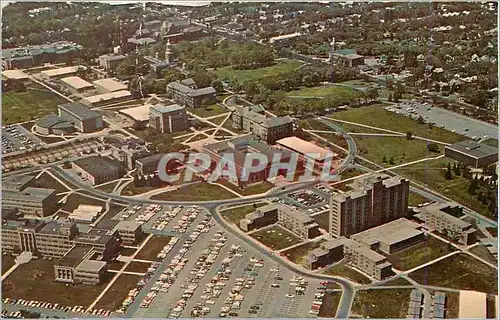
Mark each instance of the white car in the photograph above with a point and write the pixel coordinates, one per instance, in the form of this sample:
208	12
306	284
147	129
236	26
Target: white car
289	295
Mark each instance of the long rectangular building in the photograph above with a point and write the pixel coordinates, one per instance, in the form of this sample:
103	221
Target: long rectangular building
32	201
472	153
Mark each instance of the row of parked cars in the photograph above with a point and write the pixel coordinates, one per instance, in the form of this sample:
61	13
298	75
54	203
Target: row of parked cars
165	218
133	293
187	218
318	298
171	273
307	198
55	306
199	270
16	133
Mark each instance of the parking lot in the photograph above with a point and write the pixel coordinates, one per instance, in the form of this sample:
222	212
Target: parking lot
44	156
449	120
236	282
17	138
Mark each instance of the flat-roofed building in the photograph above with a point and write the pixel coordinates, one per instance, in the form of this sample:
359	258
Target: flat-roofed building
299	223
261	217
391	237
110	61
105	242
17	183
472	153
354	254
253	119
32	201
77	267
372	201
190	97
14	80
472	305
310	151
97	170
347	58
18	236
168	119
61	72
128	154
445	218
85	213
138	114
82	118
240	147
14	74
55	238
130	232
109	85
106	98
148	165
77	84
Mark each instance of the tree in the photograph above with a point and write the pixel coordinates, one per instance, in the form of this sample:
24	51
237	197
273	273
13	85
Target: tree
447	174
409	135
390	97
433	147
456	169
384	159
391	160
480	196
217	85
202	78
172	75
473	186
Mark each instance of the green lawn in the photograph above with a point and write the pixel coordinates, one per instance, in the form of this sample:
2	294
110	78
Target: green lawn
381	303
29	105
276	237
325	91
376	115
132	190
482	252
431	174
196	192
341	269
35	281
374	148
351	173
298	254
257	74
397	282
419	254
415	199
8	261
452	305
218	120
209	111
330	304
113	298
238	213
459	271
154	245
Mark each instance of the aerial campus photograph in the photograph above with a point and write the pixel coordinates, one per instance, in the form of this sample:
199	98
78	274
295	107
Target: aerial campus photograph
183	159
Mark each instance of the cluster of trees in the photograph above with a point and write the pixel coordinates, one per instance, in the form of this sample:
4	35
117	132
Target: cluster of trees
216	53
452	170
149	181
390	161
485	191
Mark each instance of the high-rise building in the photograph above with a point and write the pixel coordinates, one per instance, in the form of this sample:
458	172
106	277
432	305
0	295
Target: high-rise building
372	201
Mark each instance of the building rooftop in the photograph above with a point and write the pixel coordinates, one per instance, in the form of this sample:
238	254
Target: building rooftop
161	108
110	85
151	159
107	96
91	265
14	74
438	210
303	147
190	91
188	82
59	47
277	121
39	194
112	57
77	82
107	224
98	165
472	305
390	233
53	121
61	71
129	226
54	227
473	149
80	111
74	256
16	182
140	113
